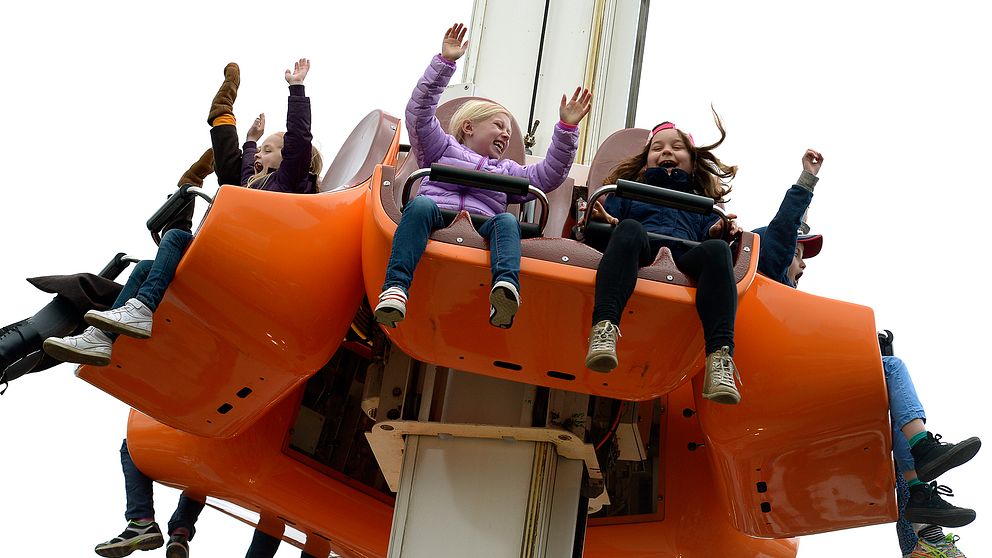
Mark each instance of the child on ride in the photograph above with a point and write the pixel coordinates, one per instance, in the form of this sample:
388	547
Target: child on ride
480	132
670	159
285	163
920	456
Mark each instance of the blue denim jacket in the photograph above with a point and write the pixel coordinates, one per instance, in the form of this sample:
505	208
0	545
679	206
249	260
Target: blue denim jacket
778	239
664	220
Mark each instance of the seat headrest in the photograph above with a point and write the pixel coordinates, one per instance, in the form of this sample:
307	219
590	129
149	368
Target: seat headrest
361	152
619	146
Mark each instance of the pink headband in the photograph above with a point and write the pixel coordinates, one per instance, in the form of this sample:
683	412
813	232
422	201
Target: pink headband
668	126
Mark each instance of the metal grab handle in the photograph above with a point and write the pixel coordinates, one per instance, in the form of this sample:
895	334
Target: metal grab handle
116	265
479	179
172	206
660	196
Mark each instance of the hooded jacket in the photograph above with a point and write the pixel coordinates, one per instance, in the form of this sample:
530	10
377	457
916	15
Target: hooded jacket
433	145
778	239
293	175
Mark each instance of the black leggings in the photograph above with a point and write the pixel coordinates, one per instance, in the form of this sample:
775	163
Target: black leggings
710	265
227	154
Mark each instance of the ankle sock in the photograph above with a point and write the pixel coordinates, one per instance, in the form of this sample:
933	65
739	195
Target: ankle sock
933	534
224	119
916	439
182	531
916	482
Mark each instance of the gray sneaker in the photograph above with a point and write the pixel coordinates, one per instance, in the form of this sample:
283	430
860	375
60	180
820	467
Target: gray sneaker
718	385
602	355
133	319
135	537
92	346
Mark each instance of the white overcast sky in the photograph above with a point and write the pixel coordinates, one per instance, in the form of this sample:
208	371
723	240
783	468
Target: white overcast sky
104	105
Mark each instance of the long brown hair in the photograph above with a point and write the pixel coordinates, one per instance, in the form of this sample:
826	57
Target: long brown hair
710	176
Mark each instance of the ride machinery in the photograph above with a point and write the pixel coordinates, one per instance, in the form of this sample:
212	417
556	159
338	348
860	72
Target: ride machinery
268	390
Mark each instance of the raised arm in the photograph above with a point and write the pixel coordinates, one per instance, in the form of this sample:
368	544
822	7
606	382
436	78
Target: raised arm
250	147
427	137
778	242
296	144
551	172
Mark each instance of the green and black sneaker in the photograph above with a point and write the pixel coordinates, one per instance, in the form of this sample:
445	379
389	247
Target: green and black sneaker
137	536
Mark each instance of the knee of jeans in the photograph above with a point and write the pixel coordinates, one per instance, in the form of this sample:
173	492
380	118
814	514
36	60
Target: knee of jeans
891	364
419	204
505	221
142	267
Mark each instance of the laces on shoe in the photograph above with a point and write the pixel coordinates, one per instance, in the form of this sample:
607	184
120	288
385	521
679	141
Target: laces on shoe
724	369
605	339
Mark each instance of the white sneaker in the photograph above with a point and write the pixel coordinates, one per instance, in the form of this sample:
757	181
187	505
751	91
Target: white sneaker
503	303
392	307
602	355
92	346
718	384
134	319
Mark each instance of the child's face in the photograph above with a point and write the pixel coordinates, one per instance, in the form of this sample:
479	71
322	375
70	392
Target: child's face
668	150
269	154
797	266
488	137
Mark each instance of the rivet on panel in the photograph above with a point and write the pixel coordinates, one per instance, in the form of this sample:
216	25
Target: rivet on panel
564	258
669	277
386	184
747	248
459	240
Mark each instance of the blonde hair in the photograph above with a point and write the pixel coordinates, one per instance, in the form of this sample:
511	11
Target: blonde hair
473	111
257	180
710	176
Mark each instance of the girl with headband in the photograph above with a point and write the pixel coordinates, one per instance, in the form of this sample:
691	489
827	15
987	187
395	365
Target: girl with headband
670	159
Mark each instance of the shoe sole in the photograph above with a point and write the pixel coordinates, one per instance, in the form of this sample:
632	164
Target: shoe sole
125	548
506	305
959	455
112	326
388	316
602	363
945	518
724	397
68	353
176	551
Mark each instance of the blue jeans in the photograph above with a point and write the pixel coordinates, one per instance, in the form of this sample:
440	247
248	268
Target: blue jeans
163	269
265	546
141	504
421	217
904	407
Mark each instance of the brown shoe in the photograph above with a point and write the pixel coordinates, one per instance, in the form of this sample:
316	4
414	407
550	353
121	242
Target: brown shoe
718	384
223	102
199	170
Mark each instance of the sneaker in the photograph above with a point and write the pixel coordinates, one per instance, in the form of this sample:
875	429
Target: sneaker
934	458
718	385
134	537
178	547
134	319
926	506
392	307
92	346
602	355
944	549
503	303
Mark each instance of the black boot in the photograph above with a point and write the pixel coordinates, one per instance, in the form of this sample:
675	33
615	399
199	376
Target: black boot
223	102
934	458
926	506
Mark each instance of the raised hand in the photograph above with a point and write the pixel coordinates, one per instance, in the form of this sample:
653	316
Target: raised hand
257	128
299	72
574	110
812	161
599	214
452	47
717	229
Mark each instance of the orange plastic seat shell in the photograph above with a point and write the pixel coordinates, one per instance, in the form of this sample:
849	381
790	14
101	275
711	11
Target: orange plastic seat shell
260	301
447	319
810	440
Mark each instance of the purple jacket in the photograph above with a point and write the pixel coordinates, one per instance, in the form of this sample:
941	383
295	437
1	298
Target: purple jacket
293	175
433	145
